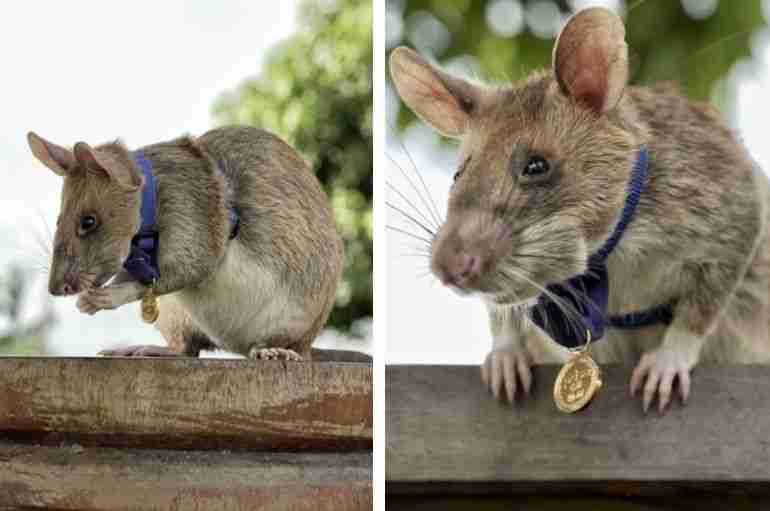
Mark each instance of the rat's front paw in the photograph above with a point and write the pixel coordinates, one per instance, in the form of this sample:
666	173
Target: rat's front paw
85	305
657	370
94	300
110	297
274	354
506	371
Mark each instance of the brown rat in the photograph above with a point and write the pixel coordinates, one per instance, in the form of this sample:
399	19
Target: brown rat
266	293
544	178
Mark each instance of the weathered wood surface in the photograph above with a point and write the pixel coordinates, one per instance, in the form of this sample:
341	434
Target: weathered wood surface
446	434
106	479
573	503
187	403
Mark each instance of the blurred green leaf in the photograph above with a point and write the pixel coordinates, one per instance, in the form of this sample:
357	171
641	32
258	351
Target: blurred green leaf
665	42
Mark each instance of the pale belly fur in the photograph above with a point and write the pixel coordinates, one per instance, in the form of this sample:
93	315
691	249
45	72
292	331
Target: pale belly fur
242	306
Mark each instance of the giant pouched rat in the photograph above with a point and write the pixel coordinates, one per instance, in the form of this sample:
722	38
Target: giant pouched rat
264	291
548	169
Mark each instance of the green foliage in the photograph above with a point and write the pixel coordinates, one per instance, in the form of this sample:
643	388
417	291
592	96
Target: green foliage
665	42
315	91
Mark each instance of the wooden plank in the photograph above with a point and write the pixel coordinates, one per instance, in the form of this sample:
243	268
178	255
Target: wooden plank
575	503
446	434
96	479
187	403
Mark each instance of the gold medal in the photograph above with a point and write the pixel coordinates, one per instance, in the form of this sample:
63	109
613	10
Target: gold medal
150	307
577	382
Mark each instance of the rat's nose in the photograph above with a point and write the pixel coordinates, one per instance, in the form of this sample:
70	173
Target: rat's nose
459	268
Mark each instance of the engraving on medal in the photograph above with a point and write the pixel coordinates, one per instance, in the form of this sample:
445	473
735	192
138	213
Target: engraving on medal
150	307
576	383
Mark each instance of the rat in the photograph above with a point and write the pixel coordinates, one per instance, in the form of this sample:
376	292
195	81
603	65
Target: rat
576	191
248	255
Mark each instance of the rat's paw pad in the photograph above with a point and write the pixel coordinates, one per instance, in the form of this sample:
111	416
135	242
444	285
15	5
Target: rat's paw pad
657	370
273	354
506	371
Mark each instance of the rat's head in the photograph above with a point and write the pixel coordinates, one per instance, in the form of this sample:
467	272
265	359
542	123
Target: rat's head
99	212
543	164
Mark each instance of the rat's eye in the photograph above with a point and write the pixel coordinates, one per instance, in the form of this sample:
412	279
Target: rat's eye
536	166
87	224
459	173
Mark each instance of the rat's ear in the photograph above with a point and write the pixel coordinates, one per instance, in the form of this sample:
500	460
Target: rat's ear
105	165
443	101
55	157
590	58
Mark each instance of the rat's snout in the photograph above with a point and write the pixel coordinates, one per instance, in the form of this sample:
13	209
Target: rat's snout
466	250
456	262
458	268
65	277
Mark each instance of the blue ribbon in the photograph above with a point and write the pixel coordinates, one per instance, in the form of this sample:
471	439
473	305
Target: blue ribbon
142	262
587	295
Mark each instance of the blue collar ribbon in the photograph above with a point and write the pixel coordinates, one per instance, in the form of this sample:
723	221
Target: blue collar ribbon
142	261
586	295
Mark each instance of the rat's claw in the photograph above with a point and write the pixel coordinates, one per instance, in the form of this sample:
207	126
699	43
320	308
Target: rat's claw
649	389
509	376
505	371
525	374
274	354
497	377
657	371
684	385
637	377
664	391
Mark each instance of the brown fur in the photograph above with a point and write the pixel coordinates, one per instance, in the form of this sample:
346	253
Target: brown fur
286	240
699	239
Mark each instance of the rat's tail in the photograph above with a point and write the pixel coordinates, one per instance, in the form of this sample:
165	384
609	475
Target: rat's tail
319	355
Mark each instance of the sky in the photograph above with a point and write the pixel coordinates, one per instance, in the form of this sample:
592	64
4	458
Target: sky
95	71
429	324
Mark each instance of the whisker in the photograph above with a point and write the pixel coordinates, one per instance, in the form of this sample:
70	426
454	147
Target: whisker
416	190
410	217
536	256
416	171
415	208
570	313
407	233
403	197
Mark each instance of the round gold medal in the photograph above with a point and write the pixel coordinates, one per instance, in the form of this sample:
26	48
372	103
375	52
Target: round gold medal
150	307
577	383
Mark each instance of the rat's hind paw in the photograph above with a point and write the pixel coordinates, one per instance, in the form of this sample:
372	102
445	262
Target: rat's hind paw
273	354
141	351
506	371
658	370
